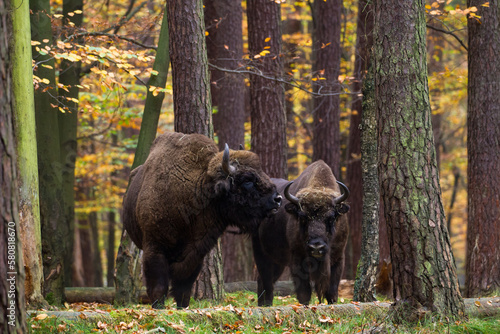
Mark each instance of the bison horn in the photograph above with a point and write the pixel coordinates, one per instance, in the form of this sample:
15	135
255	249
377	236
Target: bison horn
242	147
226	167
345	194
289	196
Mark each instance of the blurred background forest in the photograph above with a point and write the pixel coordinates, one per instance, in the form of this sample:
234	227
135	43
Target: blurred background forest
112	92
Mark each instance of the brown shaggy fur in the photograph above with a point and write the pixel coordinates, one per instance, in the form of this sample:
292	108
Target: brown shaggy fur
285	239
181	200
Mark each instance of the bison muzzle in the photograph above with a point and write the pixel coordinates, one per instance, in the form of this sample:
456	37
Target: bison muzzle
182	199
308	234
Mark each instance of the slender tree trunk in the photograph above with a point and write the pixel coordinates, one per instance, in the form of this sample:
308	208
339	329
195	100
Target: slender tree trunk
128	268
423	265
267	96
193	108
110	253
366	276
12	301
483	133
54	231
326	69
96	254
364	44
27	162
69	77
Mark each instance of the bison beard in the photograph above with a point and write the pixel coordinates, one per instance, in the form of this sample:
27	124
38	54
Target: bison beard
182	199
308	234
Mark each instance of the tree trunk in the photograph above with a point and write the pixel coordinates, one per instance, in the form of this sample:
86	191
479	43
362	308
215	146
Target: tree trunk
188	54
223	21
54	231
192	106
424	270
27	162
483	131
127	278
366	276
12	301
364	44
326	69
267	96
110	252
69	77
96	254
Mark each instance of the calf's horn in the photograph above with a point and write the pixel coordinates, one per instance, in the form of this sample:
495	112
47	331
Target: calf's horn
226	167
345	193
289	196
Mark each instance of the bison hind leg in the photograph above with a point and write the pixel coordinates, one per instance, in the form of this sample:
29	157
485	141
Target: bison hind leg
156	274
181	288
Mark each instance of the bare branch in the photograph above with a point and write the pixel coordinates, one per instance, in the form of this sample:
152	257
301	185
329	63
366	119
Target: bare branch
448	33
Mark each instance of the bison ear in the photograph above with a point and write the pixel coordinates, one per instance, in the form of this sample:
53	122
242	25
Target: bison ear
222	187
291	208
343	208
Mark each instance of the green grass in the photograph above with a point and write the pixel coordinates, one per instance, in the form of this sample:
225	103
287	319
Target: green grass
232	316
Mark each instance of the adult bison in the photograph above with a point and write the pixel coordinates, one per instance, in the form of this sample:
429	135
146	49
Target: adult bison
182	199
308	234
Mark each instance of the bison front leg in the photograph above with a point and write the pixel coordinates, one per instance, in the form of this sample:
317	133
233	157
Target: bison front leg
156	274
300	277
266	279
182	287
336	270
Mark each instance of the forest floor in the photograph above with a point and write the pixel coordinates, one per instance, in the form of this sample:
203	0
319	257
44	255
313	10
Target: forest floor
238	313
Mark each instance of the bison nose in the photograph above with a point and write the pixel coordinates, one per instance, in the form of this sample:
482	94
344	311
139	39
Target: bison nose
317	248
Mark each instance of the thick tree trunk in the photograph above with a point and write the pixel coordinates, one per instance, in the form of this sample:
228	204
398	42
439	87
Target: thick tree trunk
128	268
27	162
423	266
225	49
326	112
483	147
364	44
12	301
69	77
366	276
193	107
188	54
267	104
54	230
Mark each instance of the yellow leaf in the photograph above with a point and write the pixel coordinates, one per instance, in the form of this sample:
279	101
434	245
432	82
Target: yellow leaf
46	81
486	4
41	316
34	43
45	40
477	303
154	72
206	33
71	14
77	11
58	16
267	39
47	66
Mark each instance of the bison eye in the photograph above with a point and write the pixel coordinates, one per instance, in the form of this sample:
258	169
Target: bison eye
248	185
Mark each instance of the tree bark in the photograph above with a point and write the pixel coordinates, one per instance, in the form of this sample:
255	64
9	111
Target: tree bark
110	252
423	265
364	44
326	53
12	301
69	77
54	230
27	162
366	276
128	268
483	131
193	107
268	116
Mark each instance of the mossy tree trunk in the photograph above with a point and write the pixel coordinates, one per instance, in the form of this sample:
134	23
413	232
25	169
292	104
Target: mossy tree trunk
193	107
424	270
27	161
366	276
364	44
54	229
483	147
12	301
267	97
128	268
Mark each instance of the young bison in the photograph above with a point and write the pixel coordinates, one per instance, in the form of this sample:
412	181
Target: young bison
182	199
308	234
